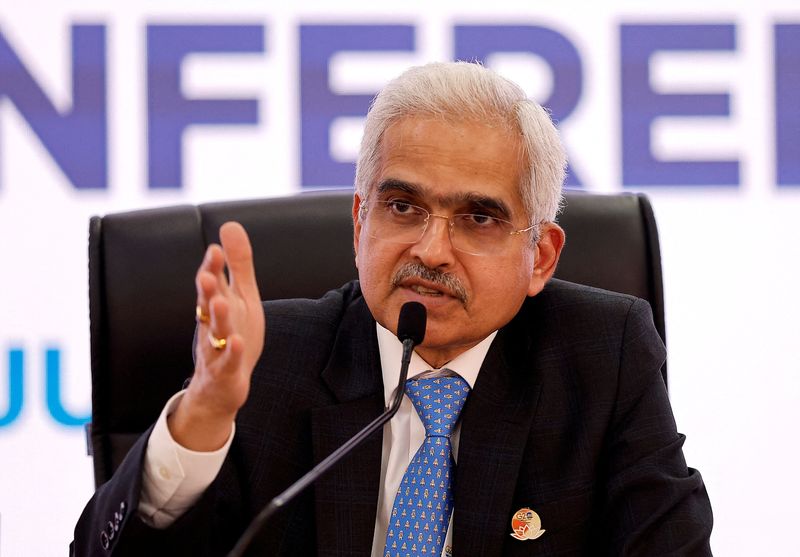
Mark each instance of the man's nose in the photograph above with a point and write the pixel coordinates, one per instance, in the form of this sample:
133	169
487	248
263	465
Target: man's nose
435	249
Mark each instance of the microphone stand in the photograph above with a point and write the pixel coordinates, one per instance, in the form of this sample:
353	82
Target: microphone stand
310	477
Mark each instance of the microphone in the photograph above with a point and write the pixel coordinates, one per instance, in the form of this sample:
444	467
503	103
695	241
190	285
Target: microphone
411	323
411	331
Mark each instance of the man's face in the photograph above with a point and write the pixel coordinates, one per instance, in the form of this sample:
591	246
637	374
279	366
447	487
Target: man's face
449	168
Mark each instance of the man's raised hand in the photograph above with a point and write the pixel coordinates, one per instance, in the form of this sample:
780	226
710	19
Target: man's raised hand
230	337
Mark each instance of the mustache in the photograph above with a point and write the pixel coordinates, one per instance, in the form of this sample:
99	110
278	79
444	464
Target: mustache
446	281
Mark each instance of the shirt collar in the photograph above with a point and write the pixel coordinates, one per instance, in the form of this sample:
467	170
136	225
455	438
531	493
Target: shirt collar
467	364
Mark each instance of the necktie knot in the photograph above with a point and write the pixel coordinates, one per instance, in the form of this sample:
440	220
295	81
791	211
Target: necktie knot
438	402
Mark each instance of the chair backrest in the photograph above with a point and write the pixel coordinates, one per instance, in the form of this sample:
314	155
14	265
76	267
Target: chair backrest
142	294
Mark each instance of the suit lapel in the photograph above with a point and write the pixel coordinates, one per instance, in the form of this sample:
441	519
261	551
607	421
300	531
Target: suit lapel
495	424
494	431
346	497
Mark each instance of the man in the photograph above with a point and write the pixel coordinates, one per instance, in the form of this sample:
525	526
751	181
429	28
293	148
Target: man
566	444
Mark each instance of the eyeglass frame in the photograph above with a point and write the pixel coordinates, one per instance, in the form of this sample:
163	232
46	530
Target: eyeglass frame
363	210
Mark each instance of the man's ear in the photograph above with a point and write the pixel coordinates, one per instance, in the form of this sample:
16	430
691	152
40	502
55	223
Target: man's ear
548	250
356	224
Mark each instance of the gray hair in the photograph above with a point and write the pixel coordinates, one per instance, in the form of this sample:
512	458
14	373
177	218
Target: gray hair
465	91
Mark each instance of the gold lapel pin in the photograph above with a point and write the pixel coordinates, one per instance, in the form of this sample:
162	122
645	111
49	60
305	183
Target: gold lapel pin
526	525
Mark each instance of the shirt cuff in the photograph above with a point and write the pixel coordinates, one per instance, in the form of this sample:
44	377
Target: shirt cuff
175	477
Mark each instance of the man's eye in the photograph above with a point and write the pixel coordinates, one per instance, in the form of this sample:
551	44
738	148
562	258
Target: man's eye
399	207
480	220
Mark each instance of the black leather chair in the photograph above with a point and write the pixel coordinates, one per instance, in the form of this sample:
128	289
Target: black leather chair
142	294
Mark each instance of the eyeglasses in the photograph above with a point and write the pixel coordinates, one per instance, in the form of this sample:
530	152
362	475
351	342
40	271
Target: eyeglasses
403	223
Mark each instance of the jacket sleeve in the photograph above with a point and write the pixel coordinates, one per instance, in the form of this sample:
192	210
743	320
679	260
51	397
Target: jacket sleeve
654	504
110	524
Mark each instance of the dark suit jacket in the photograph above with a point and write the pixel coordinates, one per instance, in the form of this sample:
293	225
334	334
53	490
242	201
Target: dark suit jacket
569	417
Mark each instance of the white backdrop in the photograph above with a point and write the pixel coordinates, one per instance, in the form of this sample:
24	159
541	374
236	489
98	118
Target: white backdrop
729	246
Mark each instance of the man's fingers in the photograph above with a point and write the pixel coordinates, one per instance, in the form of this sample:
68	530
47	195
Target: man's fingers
214	260
235	350
219	379
220	325
214	263
239	257
223	369
220	343
206	285
210	278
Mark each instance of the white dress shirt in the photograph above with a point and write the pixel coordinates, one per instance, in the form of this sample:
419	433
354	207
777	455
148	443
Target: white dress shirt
174	478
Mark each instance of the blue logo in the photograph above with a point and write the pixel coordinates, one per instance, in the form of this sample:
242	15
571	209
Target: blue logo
52	394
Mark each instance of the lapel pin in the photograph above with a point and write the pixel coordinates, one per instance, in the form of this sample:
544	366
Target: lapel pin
526	525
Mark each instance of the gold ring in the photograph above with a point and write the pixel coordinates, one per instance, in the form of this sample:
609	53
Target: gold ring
217	343
201	317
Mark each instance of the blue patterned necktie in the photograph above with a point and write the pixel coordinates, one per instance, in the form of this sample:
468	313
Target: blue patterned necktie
421	510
